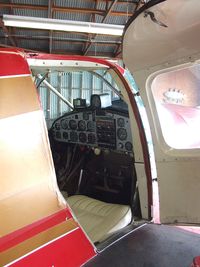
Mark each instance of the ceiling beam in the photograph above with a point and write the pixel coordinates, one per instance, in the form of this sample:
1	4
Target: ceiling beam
78	42
50	15
91	53
59	51
108	12
66	40
65	9
118	51
12	30
119	2
86	42
39	30
93	19
25	49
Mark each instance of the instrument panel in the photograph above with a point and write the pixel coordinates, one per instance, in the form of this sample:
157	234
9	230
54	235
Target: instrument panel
103	129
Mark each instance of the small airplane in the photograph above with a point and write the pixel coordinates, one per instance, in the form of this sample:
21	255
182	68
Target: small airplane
81	180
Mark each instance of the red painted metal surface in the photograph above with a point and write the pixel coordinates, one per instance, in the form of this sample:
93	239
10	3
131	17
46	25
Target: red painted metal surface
13	62
33	229
71	250
196	262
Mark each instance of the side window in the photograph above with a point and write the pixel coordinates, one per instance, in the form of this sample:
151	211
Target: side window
177	97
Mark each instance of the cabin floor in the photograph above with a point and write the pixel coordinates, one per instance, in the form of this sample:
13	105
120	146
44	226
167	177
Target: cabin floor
152	245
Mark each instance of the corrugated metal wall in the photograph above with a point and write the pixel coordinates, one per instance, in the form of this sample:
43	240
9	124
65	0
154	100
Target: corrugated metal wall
79	84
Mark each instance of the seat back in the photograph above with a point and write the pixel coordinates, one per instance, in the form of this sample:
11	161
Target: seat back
99	219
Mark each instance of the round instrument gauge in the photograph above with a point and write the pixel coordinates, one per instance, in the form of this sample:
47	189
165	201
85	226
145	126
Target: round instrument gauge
122	134
82	125
72	124
64	123
82	137
120	122
73	136
90	126
128	146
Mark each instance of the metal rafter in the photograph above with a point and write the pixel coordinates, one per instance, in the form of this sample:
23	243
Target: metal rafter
93	19
119	2
108	12
78	52
118	50
64	9
50	15
12	30
64	40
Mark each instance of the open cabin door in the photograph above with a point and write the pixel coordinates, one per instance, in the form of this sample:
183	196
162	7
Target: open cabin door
161	49
36	224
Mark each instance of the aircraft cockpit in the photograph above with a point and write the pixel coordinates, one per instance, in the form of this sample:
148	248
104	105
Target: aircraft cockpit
93	153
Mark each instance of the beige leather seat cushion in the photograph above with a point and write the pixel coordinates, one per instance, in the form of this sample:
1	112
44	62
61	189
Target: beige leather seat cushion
99	219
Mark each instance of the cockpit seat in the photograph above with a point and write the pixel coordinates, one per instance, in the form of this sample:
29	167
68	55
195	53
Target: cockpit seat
99	219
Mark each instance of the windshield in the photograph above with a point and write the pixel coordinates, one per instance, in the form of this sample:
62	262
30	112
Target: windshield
73	84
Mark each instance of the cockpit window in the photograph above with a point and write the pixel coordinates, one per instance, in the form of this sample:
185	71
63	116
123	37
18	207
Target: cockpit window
177	97
74	84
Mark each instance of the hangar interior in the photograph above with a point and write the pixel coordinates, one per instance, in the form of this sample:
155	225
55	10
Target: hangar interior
79	84
114	13
58	42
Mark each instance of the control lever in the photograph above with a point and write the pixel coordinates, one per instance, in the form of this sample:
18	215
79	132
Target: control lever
79	181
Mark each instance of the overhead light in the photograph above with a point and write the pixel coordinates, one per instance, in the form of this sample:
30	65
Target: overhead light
62	25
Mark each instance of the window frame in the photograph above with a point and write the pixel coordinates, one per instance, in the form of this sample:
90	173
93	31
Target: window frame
165	147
